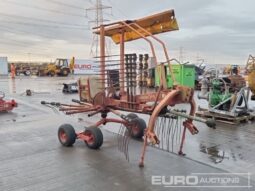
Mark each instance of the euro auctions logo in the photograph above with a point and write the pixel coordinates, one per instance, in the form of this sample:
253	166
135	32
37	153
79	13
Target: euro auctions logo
207	180
83	66
168	181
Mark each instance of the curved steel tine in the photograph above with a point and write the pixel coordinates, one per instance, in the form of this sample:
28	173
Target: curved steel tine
127	145
165	133
169	132
119	137
161	132
177	129
173	134
181	120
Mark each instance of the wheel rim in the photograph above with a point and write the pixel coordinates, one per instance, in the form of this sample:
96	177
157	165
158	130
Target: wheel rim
91	138
62	136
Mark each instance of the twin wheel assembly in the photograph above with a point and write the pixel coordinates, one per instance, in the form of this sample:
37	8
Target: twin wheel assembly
93	136
67	136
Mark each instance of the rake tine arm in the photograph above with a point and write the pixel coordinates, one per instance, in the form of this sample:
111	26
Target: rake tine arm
208	122
72	109
120	115
81	102
79	111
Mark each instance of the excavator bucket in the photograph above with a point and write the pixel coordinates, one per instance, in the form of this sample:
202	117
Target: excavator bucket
155	24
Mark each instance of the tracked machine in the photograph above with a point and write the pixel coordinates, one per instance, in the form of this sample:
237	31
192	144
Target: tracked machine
132	95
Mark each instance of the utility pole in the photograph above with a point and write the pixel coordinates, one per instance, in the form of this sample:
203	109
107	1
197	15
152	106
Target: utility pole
98	8
181	55
29	58
200	60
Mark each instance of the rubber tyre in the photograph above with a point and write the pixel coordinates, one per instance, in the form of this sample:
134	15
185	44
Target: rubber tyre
132	116
52	73
138	127
66	135
97	135
64	72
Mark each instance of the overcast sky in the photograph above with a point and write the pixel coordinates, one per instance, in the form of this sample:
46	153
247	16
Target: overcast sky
218	31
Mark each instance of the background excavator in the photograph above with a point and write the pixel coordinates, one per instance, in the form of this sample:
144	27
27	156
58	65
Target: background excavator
60	67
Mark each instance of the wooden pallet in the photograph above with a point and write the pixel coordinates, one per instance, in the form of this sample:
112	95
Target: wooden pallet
224	118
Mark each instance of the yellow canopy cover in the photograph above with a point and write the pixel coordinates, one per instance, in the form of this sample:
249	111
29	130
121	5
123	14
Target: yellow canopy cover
155	24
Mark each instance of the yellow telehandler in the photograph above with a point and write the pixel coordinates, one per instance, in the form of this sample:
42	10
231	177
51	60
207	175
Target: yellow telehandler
250	68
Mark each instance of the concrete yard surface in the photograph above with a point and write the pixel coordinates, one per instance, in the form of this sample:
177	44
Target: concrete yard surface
31	157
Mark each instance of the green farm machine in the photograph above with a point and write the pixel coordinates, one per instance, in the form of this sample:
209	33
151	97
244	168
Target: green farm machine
227	98
184	74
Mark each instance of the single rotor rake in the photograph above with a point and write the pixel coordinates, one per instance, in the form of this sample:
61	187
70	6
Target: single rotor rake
121	84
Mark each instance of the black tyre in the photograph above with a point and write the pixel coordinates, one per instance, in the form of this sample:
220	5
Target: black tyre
96	137
64	72
132	116
66	135
137	128
52	73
